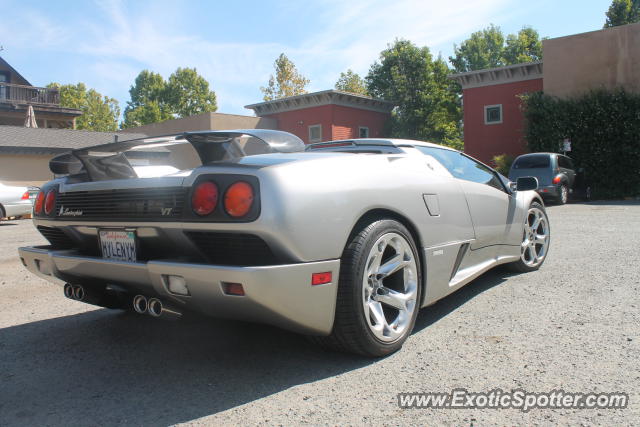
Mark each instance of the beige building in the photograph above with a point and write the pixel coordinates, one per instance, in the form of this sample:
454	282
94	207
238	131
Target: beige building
604	59
204	121
25	152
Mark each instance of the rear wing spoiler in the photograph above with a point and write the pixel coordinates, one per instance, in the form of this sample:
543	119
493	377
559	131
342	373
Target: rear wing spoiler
108	161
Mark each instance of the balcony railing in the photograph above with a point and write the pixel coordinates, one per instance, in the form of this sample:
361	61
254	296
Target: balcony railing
19	94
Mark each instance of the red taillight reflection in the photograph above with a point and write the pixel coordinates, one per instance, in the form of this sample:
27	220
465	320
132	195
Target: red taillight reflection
39	203
238	199
50	202
205	198
557	180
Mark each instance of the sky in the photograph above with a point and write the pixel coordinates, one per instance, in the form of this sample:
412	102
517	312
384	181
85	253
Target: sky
106	43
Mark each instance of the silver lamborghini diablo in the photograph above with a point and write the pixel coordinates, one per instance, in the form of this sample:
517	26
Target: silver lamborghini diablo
343	241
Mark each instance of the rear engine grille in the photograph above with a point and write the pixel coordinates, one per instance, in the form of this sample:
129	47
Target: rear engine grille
235	249
57	238
139	203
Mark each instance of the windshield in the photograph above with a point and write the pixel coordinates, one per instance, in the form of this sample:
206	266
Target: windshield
535	161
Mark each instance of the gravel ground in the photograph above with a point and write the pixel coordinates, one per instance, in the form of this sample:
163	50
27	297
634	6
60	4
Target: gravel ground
573	325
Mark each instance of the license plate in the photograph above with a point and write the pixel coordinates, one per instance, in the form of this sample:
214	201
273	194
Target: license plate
118	245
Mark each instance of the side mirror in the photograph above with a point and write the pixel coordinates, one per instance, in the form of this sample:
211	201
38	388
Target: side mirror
526	183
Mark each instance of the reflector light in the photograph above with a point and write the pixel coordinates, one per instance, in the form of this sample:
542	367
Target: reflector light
233	289
557	180
50	202
25	195
205	198
321	278
39	203
238	199
177	285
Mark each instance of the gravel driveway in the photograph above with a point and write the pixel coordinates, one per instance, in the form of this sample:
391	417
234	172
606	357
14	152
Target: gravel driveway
573	325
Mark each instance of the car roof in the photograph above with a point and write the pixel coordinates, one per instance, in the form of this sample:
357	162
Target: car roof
385	142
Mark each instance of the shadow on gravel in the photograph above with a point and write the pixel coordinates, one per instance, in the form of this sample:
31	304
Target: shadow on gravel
2	223
430	315
104	367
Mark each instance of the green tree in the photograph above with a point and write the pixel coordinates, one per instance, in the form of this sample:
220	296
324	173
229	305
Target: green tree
148	101
351	82
188	93
489	48
526	46
622	12
99	113
286	82
427	102
483	49
155	100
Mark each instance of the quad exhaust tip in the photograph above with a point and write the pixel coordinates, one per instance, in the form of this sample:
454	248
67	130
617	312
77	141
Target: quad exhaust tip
140	304
155	307
75	292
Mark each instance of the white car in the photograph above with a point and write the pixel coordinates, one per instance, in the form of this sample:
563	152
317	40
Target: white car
14	201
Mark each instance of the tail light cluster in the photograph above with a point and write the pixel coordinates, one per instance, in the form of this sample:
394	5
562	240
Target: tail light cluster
237	201
557	179
45	202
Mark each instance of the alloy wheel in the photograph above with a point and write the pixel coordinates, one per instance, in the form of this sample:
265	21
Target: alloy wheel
535	240
390	287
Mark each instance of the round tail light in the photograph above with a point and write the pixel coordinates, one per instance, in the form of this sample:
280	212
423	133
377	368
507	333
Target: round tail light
557	180
238	199
204	198
39	203
50	202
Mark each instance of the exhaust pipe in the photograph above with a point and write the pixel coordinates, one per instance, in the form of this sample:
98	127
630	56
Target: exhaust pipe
68	291
78	293
140	304
157	309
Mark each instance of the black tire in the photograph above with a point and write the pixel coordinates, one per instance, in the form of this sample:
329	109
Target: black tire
521	266
351	332
563	197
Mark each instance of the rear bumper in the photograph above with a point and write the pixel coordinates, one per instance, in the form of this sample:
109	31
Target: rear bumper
280	295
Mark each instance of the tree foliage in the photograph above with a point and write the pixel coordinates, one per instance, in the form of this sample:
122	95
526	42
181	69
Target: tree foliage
489	48
287	81
351	82
427	101
603	128
154	100
622	12
188	93
99	113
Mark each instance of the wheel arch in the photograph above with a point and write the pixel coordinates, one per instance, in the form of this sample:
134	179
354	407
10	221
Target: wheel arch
381	213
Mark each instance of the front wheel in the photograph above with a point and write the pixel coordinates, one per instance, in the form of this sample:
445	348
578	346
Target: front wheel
378	292
536	238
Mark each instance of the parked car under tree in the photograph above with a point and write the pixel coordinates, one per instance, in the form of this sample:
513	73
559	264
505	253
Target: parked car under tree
343	241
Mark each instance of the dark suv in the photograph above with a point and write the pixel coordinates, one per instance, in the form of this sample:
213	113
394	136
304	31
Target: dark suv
555	172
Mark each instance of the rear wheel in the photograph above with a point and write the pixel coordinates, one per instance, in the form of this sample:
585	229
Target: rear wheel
378	293
563	197
536	238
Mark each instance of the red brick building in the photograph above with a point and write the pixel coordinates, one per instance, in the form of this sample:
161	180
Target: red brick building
327	115
493	119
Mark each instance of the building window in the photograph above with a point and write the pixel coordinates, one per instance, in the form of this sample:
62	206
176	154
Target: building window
492	114
363	132
315	133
